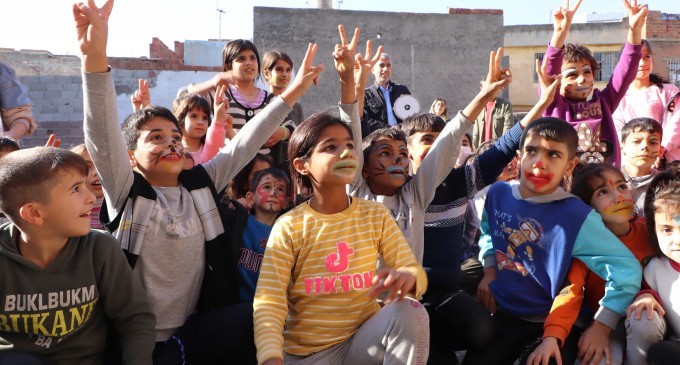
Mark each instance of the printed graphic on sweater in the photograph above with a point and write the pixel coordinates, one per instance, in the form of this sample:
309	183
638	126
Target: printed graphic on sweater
590	148
47	315
521	243
338	263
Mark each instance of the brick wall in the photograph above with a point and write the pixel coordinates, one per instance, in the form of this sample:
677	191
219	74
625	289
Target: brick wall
663	33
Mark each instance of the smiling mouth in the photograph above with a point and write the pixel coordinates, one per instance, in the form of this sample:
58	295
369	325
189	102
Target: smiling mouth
86	215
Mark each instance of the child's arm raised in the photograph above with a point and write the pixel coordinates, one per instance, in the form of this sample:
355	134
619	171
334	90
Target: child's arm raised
220	128
141	97
103	137
562	18
236	154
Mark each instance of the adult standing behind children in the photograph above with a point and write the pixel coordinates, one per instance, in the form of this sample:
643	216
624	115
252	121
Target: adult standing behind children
167	219
592	116
649	96
15	106
379	98
495	119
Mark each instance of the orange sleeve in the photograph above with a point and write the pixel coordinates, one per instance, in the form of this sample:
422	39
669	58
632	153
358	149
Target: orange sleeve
567	304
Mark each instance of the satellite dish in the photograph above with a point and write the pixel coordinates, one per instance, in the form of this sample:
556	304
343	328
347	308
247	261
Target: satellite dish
406	106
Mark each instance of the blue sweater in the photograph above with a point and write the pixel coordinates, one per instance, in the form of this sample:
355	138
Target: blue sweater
445	216
532	242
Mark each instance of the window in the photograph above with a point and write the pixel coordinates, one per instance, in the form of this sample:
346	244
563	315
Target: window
537	56
607	62
674	72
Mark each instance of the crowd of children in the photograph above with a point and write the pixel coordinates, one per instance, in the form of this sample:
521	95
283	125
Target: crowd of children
230	229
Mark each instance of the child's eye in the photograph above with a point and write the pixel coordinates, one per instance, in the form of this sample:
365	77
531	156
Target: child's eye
330	147
554	155
281	190
601	192
178	138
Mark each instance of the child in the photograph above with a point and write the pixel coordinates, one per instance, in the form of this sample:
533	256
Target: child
592	118
201	138
318	277
239	186
167	220
656	334
241	69
527	245
641	139
94	184
62	284
603	187
277	69
448	306
269	194
649	96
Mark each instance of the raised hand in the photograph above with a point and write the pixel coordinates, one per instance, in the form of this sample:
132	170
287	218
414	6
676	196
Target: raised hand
497	78
305	77
364	64
142	96
396	283
221	111
549	83
637	16
53	141
224	78
92	24
343	56
562	18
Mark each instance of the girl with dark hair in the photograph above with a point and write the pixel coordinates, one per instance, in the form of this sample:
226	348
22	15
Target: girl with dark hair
651	97
277	70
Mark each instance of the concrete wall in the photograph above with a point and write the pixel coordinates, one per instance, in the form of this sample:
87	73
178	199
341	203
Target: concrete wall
435	55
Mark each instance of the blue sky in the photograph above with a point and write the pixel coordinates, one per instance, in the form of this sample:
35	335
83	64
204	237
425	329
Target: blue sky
47	24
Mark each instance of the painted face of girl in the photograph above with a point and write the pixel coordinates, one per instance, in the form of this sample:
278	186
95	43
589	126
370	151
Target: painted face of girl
578	79
612	198
280	74
270	195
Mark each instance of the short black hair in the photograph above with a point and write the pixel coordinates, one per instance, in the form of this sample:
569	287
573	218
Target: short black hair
553	129
635	125
28	175
420	123
663	195
8	145
134	122
391	133
576	52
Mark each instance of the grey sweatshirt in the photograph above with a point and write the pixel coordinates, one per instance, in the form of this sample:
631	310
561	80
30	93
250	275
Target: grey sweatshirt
61	312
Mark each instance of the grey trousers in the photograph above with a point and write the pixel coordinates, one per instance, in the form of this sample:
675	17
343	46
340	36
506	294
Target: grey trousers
641	335
398	334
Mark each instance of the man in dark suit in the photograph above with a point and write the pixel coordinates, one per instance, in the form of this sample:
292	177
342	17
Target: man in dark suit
380	97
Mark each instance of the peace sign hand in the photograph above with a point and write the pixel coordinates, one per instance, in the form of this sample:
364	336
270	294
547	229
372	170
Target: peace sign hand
364	64
343	56
92	24
497	78
563	16
549	83
637	16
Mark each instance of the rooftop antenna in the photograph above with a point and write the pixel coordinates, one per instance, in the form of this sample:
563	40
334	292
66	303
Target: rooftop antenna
219	32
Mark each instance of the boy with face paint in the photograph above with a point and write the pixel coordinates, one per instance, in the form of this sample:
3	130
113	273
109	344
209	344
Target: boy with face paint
590	115
166	219
269	194
531	230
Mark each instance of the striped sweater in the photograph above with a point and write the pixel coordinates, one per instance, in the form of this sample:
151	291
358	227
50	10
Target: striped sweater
316	273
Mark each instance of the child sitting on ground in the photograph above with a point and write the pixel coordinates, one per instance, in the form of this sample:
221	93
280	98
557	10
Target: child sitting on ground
527	245
658	331
641	140
62	285
603	187
592	117
167	219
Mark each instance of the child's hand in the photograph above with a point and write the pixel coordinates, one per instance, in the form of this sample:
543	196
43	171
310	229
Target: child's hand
547	349
563	16
53	141
221	105
92	24
484	294
645	302
396	283
273	362
224	78
549	84
305	77
142	96
497	78
594	343
364	64
343	56
637	16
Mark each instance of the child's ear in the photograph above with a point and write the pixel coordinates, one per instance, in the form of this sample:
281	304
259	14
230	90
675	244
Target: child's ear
31	213
133	160
250	200
267	74
300	165
571	165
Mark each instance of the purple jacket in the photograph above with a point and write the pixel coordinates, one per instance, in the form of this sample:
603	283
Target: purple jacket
593	118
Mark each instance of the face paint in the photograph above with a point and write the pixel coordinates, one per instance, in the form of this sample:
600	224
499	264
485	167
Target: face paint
346	153
538	181
396	171
345	168
268	189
